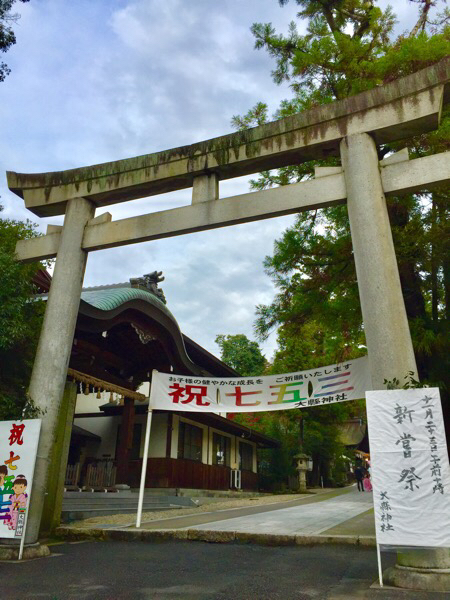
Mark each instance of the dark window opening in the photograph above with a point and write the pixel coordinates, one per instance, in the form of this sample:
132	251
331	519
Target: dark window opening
190	442
245	456
136	444
221	450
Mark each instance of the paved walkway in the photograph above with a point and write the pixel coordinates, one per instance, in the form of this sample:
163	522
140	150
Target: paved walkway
299	520
340	512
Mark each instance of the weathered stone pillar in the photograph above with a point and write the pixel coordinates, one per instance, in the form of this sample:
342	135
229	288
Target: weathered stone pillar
51	515
205	187
55	343
386	327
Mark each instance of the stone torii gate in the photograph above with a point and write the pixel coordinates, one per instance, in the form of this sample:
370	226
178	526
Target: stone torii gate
351	128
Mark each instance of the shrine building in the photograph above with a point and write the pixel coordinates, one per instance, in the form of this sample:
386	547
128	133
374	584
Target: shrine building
123	332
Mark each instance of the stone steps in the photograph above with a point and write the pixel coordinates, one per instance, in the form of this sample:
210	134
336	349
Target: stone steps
68	516
98	498
83	505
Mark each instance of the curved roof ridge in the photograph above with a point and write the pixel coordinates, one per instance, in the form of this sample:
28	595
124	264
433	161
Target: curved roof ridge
107	286
109	298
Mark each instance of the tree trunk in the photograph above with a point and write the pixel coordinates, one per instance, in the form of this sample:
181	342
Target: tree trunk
434	267
442	202
409	277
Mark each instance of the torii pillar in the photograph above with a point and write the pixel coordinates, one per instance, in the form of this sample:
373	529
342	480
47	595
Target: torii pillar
389	344
386	328
55	344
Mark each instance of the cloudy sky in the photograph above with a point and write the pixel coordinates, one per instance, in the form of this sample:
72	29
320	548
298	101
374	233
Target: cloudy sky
95	81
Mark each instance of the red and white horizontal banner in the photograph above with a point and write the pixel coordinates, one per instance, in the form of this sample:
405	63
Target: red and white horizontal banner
326	385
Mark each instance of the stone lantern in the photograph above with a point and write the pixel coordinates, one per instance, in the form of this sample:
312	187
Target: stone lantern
304	463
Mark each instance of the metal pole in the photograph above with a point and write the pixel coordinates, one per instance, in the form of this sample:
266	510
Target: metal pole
380	570
144	466
22	539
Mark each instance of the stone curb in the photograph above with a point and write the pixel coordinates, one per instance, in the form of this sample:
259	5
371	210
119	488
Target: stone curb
218	537
11	553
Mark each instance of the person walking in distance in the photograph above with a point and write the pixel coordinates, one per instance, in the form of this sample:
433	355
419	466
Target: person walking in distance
367	483
359	474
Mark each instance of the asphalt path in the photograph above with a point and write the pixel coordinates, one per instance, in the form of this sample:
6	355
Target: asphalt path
199	571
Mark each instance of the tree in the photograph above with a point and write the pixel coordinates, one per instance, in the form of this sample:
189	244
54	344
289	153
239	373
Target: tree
314	431
241	354
20	320
7	36
348	48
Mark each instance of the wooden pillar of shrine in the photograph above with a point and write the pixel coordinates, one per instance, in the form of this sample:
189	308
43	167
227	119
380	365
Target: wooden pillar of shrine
125	441
169	434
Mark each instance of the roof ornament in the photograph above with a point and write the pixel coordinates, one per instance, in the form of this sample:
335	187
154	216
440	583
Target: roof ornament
149	283
144	337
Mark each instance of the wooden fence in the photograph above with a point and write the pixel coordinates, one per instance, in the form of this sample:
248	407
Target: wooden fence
98	475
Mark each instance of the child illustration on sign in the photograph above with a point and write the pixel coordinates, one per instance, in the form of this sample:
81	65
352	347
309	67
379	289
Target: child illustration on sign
3	474
18	500
5	492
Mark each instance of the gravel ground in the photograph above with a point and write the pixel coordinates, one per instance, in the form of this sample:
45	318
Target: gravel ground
213	506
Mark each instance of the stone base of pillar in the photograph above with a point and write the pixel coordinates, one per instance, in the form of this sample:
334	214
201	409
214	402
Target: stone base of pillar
421	569
30	551
413	578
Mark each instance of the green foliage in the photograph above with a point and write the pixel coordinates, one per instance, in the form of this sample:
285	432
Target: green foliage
310	345
20	321
348	48
321	440
16	283
241	354
335	58
7	36
277	465
312	267
410	382
314	431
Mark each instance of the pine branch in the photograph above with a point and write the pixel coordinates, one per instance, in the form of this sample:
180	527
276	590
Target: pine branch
423	18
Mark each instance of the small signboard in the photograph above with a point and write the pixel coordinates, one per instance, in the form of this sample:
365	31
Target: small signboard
315	387
409	467
18	447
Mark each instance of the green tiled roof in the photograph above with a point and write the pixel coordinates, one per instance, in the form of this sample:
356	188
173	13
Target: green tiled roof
109	299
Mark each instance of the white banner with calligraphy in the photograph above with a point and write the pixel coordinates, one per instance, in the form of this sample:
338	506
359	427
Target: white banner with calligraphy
409	467
18	447
315	387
